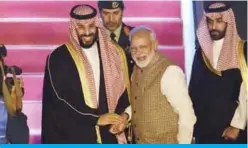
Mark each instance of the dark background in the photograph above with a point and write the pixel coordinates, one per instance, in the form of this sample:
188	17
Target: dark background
239	9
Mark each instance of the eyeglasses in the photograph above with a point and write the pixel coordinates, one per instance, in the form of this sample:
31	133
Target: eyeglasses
141	49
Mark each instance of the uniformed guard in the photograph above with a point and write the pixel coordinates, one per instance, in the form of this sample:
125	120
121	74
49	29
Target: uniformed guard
112	14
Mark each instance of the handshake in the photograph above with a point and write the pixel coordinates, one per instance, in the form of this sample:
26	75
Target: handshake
118	122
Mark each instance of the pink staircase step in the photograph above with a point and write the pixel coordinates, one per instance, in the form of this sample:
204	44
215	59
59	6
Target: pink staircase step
57	32
35	139
62	9
33	111
176	55
33	87
28	60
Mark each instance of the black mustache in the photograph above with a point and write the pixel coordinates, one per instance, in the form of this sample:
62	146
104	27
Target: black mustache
213	31
87	35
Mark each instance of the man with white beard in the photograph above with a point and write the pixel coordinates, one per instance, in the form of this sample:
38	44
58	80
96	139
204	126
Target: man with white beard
162	111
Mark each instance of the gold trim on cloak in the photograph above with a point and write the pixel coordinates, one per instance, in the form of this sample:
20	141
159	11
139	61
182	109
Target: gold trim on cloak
82	75
242	63
84	82
85	85
99	139
210	67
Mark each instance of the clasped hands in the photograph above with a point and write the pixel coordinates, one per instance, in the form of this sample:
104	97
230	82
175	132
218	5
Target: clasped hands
118	122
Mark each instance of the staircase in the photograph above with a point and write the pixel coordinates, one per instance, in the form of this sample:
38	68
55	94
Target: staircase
32	29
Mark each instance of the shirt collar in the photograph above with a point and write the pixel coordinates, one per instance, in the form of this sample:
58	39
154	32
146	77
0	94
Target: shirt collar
218	42
117	33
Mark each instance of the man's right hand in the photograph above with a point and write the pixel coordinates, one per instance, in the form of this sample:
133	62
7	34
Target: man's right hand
118	128
109	118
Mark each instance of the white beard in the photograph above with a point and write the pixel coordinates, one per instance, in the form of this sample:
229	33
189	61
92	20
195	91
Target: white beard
143	64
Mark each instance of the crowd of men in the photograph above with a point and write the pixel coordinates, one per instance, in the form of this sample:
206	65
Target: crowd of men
111	84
